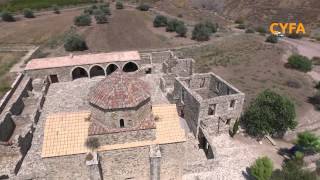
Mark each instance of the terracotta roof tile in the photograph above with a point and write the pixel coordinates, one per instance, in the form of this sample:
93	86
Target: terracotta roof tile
119	91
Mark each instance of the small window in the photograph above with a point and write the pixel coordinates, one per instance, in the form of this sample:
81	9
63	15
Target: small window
218	85
202	83
54	78
232	103
148	71
228	121
182	95
121	123
212	109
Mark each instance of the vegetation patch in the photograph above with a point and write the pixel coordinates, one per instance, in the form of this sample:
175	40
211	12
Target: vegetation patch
300	63
270	114
82	20
74	42
18	5
272	39
6	16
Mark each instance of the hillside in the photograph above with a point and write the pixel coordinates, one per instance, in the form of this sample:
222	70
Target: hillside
256	12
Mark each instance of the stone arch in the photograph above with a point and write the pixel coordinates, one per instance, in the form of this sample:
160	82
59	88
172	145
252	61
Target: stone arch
96	70
130	67
111	68
79	72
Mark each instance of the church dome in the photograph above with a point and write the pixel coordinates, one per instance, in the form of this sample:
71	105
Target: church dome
119	91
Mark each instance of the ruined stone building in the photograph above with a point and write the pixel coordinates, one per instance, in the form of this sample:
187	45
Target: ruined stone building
140	107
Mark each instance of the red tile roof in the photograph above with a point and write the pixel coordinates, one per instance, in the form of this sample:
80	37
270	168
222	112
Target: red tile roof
119	91
77	60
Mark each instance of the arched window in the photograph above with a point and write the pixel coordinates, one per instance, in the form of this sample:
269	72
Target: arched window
121	123
96	71
79	72
130	67
111	68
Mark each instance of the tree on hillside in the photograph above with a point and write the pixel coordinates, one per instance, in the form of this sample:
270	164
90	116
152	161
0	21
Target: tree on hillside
74	42
201	32
82	20
270	113
6	16
299	62
160	21
181	30
213	27
56	9
308	142
262	169
28	13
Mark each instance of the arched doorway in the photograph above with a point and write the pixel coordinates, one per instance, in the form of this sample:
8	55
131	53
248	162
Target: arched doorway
111	68
130	67
121	123
96	71
79	72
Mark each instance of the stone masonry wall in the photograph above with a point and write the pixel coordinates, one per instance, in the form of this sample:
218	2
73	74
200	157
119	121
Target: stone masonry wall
6	127
126	136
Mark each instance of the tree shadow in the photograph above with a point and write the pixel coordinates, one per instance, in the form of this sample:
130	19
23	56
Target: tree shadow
246	174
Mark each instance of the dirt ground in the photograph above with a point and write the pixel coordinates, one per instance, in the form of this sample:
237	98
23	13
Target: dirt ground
252	65
37	30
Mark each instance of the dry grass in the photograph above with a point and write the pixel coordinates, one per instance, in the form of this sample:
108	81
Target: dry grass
252	66
7	60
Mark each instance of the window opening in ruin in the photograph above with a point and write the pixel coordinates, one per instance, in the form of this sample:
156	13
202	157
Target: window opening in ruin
232	103
96	71
218	84
54	78
182	96
203	80
111	68
228	121
130	67
79	72
148	71
121	123
212	109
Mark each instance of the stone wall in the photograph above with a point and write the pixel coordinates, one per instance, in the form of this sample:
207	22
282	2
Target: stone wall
196	94
132	117
9	94
65	73
172	160
126	136
133	163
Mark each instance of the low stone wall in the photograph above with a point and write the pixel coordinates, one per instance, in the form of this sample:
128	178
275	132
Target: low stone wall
8	95
124	137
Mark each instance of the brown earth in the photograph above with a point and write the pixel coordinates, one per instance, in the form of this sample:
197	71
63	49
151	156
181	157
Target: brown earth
37	30
252	66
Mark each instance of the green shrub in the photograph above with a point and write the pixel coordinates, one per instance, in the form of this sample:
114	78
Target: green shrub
55	9
261	30
241	26
201	32
160	21
28	13
213	27
6	16
262	169
106	10
93	7
82	20
143	7
171	25
300	63
74	42
249	31
101	18
181	30
269	114
309	142
272	39
97	12
119	5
